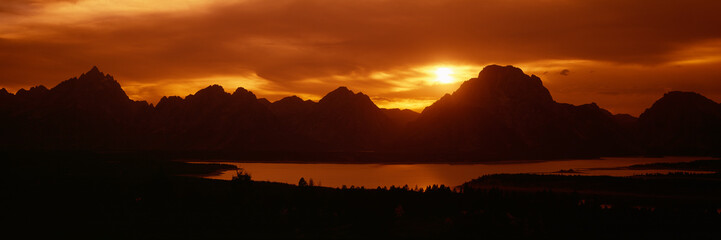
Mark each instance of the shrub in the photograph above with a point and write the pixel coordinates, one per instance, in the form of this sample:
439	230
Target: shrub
241	176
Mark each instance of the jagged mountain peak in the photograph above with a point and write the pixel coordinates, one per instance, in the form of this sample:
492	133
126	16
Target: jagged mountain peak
34	91
94	70
94	74
342	89
344	96
92	84
5	96
338	93
244	94
214	89
503	113
168	101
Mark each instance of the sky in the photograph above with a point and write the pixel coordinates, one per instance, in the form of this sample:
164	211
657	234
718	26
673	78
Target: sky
621	54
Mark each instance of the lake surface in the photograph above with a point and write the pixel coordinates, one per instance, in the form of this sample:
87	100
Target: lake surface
421	175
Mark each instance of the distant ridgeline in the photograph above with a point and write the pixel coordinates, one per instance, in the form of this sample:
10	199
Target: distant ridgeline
501	114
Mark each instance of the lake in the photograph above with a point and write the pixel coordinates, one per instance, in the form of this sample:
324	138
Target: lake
421	175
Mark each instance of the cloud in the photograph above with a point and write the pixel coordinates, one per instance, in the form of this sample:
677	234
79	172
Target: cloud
565	72
23	6
629	88
310	47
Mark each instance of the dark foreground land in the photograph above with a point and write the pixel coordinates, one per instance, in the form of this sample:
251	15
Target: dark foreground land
101	197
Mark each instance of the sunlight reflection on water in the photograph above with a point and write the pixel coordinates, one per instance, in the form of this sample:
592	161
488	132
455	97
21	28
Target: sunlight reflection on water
421	175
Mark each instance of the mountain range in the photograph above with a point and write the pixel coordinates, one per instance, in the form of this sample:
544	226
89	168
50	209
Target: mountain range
501	114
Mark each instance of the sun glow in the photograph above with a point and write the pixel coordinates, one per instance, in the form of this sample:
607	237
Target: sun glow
443	75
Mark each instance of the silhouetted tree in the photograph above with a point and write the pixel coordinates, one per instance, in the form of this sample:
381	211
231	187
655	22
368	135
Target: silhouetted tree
241	176
302	182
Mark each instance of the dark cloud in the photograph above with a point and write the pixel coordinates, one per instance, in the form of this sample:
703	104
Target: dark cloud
565	72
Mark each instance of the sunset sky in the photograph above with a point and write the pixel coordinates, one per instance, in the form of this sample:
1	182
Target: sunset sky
622	54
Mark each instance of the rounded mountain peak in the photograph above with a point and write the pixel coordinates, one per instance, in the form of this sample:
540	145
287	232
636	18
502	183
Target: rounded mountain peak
677	102
506	84
343	94
684	96
343	97
290	99
496	70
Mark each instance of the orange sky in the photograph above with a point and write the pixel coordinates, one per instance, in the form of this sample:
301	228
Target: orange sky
622	55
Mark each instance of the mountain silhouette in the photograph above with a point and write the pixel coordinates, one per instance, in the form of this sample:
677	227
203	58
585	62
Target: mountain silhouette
88	112
344	120
682	123
400	117
292	107
501	114
506	113
212	119
7	103
6	99
33	94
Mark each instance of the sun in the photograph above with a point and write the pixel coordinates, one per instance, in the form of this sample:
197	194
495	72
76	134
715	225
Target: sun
443	75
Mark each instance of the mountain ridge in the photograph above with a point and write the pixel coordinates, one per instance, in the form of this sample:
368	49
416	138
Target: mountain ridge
501	114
